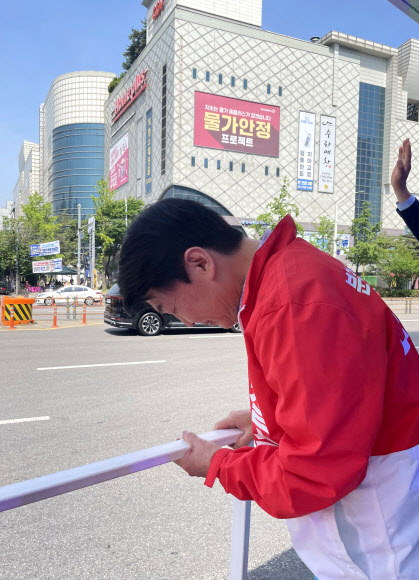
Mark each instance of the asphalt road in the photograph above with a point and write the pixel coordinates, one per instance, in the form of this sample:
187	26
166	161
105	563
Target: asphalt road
155	525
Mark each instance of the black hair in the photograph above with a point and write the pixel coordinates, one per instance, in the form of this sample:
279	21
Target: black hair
155	243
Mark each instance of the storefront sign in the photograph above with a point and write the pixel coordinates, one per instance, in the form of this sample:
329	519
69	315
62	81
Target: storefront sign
48	249
306	151
119	163
46	266
148	149
327	154
157	9
236	125
123	102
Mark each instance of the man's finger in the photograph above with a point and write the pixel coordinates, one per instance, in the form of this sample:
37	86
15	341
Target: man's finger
408	155
223	424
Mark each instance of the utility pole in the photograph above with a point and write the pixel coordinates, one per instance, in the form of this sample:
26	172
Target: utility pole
17	284
78	241
91	228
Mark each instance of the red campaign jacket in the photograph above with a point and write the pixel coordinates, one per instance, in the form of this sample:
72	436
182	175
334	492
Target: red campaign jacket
334	379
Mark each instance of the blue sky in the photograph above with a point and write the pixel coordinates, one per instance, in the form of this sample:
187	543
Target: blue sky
42	39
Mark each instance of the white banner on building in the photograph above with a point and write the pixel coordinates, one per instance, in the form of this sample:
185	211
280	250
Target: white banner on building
306	132
327	154
45	266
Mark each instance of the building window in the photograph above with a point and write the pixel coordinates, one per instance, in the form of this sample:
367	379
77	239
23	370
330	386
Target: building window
233	81
243	167
207	76
412	112
369	161
218	164
193	161
194	73
231	166
268	88
220	79
163	120
77	165
245	84
206	163
266	170
277	171
280	91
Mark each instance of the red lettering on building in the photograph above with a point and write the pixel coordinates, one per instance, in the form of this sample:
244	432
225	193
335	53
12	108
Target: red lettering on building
128	97
157	9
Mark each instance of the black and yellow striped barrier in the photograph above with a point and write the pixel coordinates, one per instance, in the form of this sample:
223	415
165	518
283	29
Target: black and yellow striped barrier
22	310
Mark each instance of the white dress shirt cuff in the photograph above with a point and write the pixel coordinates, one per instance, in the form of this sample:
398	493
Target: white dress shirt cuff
406	204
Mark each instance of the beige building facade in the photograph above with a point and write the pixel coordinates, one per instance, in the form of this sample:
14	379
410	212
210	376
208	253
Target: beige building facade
170	130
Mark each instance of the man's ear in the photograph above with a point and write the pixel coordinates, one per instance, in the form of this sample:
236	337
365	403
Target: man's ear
198	262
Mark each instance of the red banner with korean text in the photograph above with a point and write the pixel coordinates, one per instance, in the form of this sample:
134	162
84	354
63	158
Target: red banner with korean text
236	125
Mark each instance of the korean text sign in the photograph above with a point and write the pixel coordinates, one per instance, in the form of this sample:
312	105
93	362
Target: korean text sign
148	150
305	165
119	163
236	125
45	266
327	154
48	249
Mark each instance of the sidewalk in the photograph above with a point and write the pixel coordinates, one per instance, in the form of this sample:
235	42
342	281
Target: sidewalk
47	325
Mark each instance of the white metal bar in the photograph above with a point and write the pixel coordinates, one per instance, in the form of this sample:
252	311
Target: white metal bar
240	531
32	490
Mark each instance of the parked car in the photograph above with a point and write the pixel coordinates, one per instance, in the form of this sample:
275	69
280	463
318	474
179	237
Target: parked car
146	321
3	288
82	293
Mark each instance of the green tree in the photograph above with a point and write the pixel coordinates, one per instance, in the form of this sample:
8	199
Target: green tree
68	238
323	238
366	248
35	225
138	42
278	208
398	265
8	239
110	224
114	83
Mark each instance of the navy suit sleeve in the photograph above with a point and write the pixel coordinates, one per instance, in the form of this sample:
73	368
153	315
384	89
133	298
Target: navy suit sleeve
411	218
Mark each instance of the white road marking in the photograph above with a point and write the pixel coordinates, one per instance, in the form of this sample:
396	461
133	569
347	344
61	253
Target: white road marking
409	320
144	362
27	420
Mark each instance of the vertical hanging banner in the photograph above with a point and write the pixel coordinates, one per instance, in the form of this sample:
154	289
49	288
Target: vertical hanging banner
327	154
305	165
118	163
148	149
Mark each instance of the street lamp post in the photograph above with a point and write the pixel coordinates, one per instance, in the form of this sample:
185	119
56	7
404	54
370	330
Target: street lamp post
78	241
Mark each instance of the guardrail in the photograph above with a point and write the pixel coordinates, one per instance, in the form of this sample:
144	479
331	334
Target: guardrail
32	490
403	305
70	310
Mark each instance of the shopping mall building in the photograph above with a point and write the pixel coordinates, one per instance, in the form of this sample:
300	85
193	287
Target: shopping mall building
219	110
71	140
